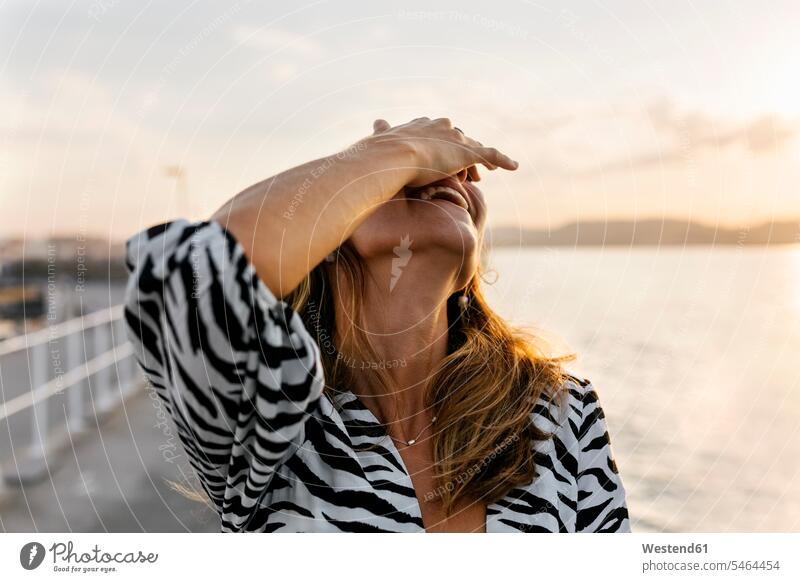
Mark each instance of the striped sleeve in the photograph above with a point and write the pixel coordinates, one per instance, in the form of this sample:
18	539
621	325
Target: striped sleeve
235	367
602	505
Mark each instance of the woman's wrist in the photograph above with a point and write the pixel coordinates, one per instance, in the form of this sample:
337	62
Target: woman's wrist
392	162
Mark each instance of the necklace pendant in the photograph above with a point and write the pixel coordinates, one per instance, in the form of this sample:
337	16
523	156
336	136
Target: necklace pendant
411	442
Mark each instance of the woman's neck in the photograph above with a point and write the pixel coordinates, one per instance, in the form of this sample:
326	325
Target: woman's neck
408	329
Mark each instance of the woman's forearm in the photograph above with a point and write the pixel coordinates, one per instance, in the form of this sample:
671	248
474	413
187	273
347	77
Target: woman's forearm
288	223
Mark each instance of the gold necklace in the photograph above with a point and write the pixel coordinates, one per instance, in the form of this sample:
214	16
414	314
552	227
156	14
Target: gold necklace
414	440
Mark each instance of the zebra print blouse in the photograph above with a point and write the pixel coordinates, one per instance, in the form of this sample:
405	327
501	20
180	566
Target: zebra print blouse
241	378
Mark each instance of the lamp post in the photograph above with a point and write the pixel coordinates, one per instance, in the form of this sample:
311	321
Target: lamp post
178	173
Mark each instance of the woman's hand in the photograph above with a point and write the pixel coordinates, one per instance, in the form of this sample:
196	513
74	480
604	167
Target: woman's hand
440	150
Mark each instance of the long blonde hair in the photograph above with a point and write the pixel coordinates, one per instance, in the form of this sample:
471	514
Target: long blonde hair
483	392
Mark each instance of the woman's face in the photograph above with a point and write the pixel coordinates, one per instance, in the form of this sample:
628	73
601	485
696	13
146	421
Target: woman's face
441	223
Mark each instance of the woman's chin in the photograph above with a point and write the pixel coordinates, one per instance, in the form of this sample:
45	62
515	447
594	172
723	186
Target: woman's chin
439	230
459	241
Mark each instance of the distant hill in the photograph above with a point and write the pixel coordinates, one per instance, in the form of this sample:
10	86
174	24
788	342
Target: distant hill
650	232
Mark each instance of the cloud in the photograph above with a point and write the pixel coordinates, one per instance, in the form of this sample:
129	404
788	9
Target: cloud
689	134
761	134
275	39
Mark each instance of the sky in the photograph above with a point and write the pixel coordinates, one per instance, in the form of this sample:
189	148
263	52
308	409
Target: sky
614	109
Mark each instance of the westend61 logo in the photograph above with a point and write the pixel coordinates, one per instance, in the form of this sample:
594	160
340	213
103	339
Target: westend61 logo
66	559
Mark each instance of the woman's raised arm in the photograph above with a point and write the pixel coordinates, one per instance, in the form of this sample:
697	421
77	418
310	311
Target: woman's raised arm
288	223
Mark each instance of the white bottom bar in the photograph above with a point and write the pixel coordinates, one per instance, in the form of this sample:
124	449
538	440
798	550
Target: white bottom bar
403	557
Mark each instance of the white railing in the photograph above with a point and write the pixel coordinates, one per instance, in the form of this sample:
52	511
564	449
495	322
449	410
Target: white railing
92	386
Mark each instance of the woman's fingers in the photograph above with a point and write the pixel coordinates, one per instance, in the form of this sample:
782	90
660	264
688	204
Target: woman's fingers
490	157
380	125
444	149
494	157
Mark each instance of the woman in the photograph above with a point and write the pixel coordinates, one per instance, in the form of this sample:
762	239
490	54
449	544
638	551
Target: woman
324	349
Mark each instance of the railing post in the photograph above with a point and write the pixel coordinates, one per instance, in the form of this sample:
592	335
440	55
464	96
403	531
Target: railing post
69	337
123	375
102	342
39	417
75	407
